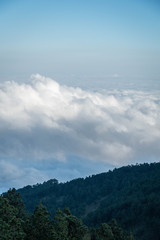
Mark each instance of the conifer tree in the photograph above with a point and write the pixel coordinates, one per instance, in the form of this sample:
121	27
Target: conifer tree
11	226
60	224
15	200
104	232
39	227
76	229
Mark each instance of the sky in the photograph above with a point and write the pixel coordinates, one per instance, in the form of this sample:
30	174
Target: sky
79	88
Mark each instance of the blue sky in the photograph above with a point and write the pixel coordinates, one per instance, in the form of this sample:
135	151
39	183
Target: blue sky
79	87
80	39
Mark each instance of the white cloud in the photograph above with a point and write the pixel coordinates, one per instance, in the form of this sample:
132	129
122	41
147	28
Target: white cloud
44	120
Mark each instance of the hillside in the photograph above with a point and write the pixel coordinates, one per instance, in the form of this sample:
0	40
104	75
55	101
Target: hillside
128	194
17	224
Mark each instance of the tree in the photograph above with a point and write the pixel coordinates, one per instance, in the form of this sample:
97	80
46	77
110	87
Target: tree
104	232
11	226
60	225
15	200
119	233
38	225
76	229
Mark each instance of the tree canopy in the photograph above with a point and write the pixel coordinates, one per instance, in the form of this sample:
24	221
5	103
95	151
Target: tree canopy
129	194
39	226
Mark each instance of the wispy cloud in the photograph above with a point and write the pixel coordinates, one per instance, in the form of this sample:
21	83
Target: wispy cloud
44	120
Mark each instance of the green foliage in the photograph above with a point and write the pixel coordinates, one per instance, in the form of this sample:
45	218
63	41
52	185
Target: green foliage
64	226
68	226
15	200
110	231
60	224
76	229
129	194
39	224
11	226
104	232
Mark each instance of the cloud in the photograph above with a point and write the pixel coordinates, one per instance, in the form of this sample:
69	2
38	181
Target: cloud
46	120
43	120
13	175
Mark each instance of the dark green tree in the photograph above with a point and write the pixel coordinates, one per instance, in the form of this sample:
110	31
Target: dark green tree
119	233
76	229
104	232
38	226
60	225
11	226
15	200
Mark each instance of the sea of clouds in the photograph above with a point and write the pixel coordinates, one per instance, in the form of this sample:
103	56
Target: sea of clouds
43	120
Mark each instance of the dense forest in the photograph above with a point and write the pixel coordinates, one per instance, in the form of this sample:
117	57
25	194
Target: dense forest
128	194
16	224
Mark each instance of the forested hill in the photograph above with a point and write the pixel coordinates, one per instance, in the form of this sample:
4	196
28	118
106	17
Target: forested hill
129	194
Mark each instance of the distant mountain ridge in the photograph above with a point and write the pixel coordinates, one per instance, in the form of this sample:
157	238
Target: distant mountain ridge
129	194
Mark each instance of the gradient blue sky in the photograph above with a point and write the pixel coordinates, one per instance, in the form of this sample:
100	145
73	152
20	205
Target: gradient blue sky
80	41
79	87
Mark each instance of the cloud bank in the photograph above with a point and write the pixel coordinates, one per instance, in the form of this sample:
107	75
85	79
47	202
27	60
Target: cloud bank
45	121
